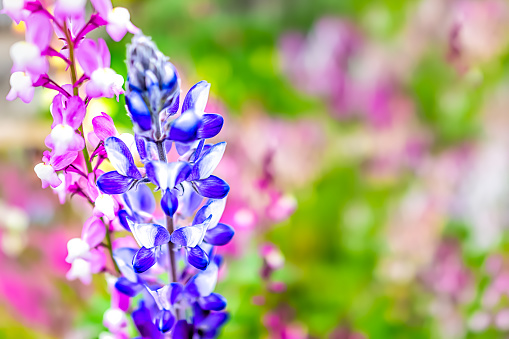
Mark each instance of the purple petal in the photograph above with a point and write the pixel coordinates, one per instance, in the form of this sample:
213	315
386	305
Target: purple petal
121	158
150	235
197	97
190	236
127	287
208	162
213	321
39	30
184	128
144	259
104	127
219	235
143	321
165	321
175	292
139	110
212	187
114	183
212	302
123	216
93	231
182	330
141	146
169	203
197	257
210	126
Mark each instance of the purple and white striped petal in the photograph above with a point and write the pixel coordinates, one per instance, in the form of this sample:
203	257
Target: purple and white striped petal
197	97
140	200
167	175
144	259
203	283
165	320
212	187
121	158
190	236
214	208
124	258
208	162
211	125
185	127
114	183
197	257
149	235
128	287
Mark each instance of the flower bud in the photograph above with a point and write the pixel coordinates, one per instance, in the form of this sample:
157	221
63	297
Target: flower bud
152	88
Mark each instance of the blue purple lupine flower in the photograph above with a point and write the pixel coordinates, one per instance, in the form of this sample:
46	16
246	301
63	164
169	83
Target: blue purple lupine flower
184	305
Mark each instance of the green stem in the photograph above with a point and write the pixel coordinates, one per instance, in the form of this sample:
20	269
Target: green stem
110	247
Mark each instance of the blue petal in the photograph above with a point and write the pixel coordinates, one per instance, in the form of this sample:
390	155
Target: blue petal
190	236
176	290
197	97
139	110
185	127
169	77
197	257
213	321
199	150
212	187
150	235
124	257
144	259
114	183
165	321
143	321
208	162
212	302
211	125
140	199
167	175
169	203
121	158
219	235
182	330
123	216
127	287
214	208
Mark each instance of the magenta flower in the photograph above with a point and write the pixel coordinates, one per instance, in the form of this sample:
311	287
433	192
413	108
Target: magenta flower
68	114
95	60
46	170
15	9
28	56
118	19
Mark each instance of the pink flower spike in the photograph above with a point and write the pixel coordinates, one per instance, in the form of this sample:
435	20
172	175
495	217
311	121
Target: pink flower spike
15	9
21	87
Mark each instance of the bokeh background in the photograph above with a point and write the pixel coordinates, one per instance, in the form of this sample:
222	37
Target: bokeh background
368	155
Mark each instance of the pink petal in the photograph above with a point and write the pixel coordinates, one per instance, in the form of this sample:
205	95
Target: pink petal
104	127
103	7
93	231
104	53
116	32
74	112
39	30
87	56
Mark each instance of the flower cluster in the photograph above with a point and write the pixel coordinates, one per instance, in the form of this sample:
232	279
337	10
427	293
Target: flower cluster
187	227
